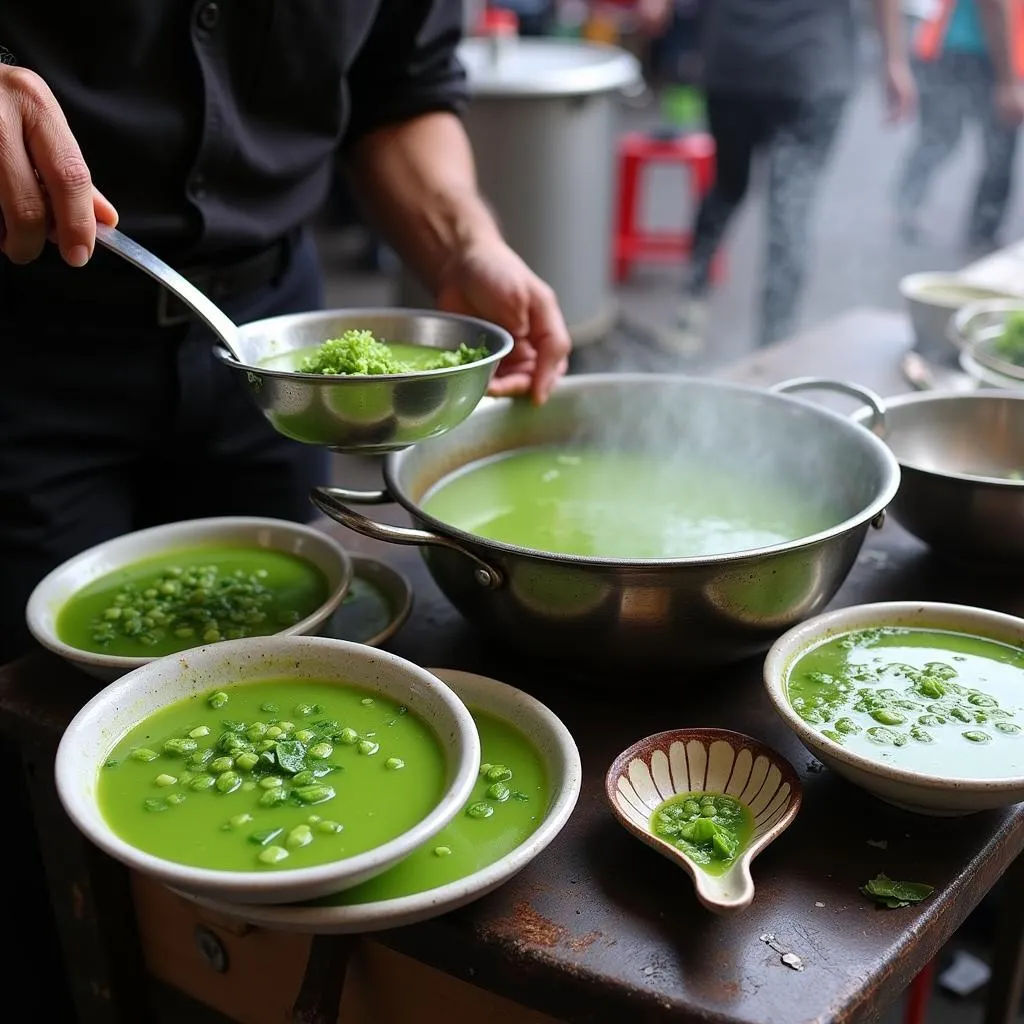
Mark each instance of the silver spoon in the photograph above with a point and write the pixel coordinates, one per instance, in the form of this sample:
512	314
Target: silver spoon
207	311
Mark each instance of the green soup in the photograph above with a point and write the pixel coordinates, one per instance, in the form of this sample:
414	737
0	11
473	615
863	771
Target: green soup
186	598
579	501
276	774
406	358
712	829
509	802
926	700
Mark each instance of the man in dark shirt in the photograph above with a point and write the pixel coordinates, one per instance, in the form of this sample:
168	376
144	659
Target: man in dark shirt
212	127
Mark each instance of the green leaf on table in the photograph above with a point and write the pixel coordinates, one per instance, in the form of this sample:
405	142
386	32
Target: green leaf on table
887	892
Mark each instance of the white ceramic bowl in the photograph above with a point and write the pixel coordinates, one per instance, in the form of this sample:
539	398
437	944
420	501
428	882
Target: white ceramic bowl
67	579
96	729
940	795
561	760
930	312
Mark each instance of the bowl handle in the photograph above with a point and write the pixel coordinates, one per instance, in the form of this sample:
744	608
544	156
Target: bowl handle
876	422
330	501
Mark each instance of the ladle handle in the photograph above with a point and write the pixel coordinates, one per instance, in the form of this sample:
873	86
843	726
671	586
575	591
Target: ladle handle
876	424
207	311
330	501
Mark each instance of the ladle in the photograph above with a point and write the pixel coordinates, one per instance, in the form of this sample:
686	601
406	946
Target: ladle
207	311
719	761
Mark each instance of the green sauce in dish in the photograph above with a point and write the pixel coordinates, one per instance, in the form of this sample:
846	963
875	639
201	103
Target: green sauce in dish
927	700
201	595
507	805
617	504
277	774
710	828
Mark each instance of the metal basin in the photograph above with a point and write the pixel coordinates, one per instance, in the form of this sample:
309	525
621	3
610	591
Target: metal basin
617	613
363	414
956	453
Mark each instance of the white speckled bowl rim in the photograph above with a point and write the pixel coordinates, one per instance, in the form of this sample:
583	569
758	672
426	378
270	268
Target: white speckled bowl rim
562	761
921	614
99	725
771	819
69	577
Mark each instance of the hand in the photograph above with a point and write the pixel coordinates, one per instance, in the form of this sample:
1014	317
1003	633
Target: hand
900	92
490	281
1009	101
654	16
45	187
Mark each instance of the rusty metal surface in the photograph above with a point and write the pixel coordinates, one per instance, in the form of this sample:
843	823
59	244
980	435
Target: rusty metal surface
601	929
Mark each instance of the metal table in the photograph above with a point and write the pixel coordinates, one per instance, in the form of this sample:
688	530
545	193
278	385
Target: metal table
598	928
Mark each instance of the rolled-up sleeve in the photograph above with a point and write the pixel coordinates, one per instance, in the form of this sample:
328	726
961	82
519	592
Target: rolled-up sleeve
408	66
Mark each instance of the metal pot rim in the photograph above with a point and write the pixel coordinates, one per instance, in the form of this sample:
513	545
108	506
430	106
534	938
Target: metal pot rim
873	511
927	397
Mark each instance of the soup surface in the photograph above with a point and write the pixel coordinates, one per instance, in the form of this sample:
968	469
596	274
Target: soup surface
579	501
926	700
508	804
359	353
282	773
712	829
200	595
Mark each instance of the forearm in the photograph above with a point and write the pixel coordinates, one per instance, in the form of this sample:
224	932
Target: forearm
995	20
417	183
889	20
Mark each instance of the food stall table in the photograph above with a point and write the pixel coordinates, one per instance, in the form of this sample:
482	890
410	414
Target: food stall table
597	928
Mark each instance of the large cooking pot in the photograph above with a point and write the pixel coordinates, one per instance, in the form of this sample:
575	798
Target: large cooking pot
620	613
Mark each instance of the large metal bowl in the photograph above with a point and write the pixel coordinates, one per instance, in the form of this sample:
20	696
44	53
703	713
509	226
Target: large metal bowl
368	415
617	613
956	453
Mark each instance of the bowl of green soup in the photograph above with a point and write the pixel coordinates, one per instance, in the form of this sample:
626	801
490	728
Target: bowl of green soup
526	790
920	704
268	770
159	591
367	381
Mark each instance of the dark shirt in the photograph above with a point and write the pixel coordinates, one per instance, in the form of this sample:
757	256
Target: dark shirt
789	49
213	126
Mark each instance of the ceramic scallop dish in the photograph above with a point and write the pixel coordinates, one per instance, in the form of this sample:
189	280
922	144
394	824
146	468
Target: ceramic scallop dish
716	761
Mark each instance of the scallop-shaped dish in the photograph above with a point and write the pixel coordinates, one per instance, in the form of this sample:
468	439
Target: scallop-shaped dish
710	800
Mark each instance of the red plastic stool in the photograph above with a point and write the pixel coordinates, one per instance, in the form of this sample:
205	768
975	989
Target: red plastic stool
919	995
695	154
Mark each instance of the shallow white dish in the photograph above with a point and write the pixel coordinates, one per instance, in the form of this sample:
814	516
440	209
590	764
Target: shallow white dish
121	705
50	594
562	762
939	795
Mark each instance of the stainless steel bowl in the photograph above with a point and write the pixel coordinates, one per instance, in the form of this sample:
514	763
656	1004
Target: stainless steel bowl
620	614
956	452
368	415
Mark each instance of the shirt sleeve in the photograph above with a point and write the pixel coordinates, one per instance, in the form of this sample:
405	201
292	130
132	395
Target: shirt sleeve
407	66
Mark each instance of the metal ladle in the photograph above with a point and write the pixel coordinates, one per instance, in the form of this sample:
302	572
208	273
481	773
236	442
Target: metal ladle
207	311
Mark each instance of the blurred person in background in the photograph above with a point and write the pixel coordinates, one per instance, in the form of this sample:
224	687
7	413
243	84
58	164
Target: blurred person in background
213	129
968	59
776	77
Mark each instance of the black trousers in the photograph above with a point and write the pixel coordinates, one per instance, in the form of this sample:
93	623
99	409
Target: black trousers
106	429
956	90
795	137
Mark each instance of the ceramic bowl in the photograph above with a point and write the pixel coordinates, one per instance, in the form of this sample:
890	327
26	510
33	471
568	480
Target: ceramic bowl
67	579
376	606
562	763
706	760
96	729
945	795
930	311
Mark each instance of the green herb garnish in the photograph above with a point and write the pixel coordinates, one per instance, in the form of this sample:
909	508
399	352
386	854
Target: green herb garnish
361	354
889	893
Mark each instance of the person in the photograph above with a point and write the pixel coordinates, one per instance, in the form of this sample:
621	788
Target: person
208	131
968	59
776	78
